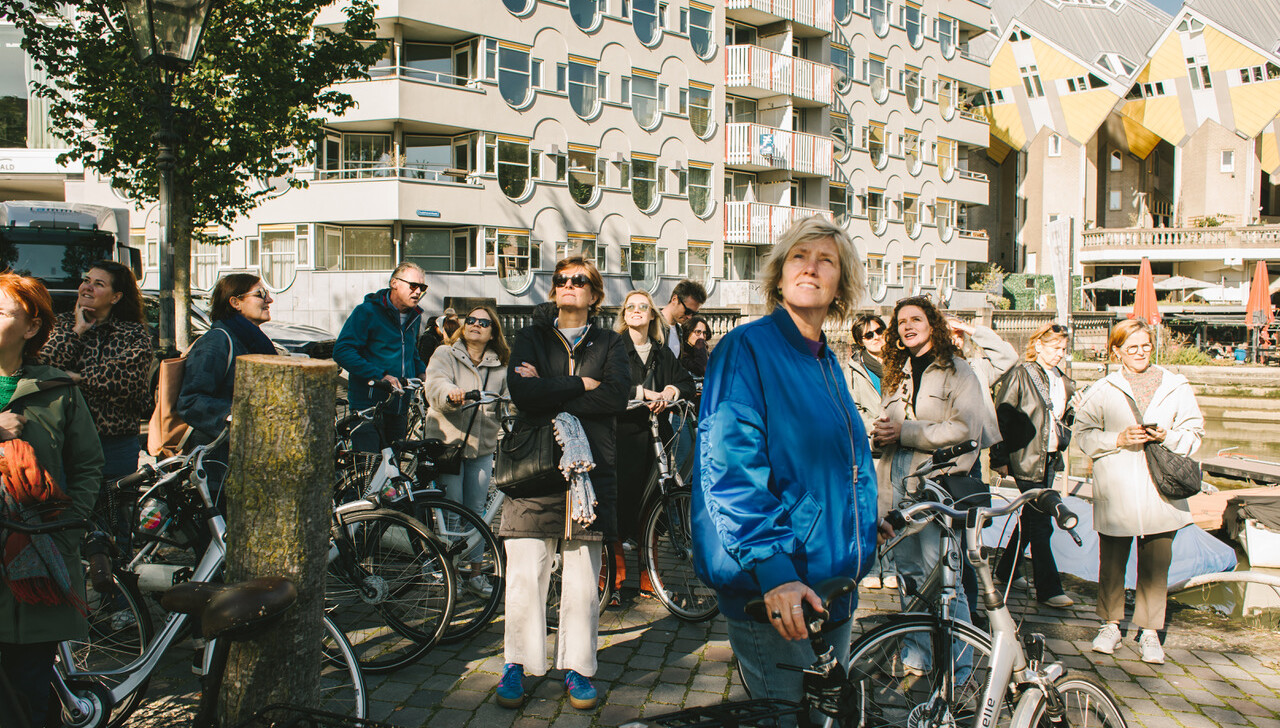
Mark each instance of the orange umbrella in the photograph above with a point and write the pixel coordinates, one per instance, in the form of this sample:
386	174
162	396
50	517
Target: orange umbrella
1144	305
1259	311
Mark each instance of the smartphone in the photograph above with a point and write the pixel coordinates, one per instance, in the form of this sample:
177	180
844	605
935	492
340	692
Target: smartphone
1150	427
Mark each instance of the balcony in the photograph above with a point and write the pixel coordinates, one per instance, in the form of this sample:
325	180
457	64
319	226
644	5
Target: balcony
1180	244
758	73
378	193
762	148
760	223
816	15
970	187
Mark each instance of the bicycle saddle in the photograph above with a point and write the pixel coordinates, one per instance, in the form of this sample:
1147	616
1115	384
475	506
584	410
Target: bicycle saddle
828	590
232	610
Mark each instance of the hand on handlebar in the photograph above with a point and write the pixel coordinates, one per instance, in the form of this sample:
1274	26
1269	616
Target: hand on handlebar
392	383
885	432
884	532
785	601
456	396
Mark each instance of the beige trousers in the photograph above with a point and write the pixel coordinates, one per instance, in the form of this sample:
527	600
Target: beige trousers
529	565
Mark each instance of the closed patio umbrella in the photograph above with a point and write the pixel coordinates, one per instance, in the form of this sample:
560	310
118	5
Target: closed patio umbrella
1144	305
1258	312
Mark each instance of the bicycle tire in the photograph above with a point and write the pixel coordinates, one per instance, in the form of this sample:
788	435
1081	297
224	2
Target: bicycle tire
118	634
1088	705
608	570
472	610
890	696
394	603
344	671
667	555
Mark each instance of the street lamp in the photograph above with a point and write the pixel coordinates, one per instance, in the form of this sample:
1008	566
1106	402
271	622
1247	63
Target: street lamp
167	35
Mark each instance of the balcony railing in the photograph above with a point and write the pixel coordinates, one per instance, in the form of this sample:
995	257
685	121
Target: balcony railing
410	171
410	73
756	67
813	13
964	114
966	53
975	176
1251	236
760	223
766	146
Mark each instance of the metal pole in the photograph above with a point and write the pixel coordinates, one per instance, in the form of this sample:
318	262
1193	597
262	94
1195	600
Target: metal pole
165	139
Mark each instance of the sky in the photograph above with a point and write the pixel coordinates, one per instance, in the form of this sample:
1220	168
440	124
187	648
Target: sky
1169	6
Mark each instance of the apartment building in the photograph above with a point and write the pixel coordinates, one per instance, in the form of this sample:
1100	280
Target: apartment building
1155	134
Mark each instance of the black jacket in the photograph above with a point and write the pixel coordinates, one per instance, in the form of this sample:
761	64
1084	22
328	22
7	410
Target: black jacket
1024	418
662	370
599	355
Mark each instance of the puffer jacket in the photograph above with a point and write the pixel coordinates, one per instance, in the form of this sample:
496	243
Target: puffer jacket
1125	501
450	368
785	486
600	355
60	430
1025	418
373	343
951	408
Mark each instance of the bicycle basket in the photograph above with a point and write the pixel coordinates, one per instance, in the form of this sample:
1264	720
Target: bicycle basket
293	716
356	469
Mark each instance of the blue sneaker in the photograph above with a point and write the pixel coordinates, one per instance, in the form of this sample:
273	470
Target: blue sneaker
511	689
582	694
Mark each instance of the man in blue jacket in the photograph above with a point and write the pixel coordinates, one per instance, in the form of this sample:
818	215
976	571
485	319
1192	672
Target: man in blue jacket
379	341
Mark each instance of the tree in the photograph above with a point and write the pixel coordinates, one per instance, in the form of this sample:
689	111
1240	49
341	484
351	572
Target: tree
245	114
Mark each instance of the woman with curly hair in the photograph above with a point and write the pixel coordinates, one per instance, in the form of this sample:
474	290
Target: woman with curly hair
932	399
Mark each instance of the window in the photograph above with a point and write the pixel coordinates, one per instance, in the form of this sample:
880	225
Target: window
582	86
684	20
206	258
584	246
874	134
947	37
644	18
910	266
696	263
517	7
838	201
739	263
875	209
1257	74
700	29
512	254
911	20
911	214
739	34
356	248
644	181
1227	162
699	189
911	81
1055	145
583	175
944	212
880	17
585	12
366	155
739	110
513	73
699	109
1031	81
281	248
841	10
840	61
644	98
1113	200
875	71
875	274
513	166
911	151
1198	72
431	248
945	157
640	260
1117	162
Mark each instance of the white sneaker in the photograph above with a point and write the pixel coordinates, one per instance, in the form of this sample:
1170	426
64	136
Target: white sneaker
1108	639
871	582
891	582
1152	652
1022	583
479	585
1061	601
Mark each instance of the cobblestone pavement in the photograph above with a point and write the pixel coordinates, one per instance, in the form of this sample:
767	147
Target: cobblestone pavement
1216	674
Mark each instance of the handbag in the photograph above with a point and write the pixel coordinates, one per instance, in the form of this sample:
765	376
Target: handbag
1176	476
450	462
527	462
167	433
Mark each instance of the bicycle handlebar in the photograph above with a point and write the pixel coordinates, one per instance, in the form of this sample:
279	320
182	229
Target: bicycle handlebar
144	474
946	454
1047	500
406	385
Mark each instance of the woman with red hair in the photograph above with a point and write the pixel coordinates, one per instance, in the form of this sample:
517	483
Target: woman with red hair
40	406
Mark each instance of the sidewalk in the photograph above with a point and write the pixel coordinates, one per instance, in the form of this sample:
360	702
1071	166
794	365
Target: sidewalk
1216	674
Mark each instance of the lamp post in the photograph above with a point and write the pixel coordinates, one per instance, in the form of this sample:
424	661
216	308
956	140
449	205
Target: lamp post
167	36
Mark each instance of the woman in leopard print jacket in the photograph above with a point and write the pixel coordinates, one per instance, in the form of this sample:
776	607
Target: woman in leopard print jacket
104	344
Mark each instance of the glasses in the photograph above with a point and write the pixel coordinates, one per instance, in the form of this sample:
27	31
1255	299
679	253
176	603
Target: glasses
698	333
641	307
482	323
258	293
1137	349
577	279
414	286
869	335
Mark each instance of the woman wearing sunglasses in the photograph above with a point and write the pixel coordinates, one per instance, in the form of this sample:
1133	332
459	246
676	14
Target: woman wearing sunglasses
561	362
240	305
866	369
475	358
656	375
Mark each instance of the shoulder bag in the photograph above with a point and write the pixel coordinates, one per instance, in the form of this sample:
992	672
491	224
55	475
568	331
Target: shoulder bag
527	462
1176	476
167	433
450	463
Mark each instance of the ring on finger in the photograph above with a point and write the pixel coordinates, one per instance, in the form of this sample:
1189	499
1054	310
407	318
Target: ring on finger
776	615
796	608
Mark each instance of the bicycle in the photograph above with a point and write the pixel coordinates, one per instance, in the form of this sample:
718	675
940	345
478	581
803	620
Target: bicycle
101	680
666	551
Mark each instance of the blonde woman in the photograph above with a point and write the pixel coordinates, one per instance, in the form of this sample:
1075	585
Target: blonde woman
656	377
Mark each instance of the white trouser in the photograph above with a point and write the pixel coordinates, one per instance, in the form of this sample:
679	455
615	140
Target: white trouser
529	563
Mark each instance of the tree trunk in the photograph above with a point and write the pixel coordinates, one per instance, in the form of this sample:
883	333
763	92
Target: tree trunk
183	210
278	514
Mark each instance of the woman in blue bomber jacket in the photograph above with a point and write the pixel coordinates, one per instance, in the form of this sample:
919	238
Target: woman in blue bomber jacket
786	492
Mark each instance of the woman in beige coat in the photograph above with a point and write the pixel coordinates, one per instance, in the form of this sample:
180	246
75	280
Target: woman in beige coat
1126	504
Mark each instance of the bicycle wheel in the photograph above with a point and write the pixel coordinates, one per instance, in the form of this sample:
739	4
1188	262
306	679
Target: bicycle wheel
893	694
608	569
1088	704
342	687
120	628
390	587
667	554
477	559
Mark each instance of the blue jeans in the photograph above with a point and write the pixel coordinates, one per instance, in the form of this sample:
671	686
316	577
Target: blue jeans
760	649
918	553
470	487
121	454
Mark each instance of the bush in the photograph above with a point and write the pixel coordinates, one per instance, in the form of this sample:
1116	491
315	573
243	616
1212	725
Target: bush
1177	349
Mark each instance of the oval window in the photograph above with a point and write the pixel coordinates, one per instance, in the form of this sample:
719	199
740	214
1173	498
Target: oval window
584	13
644	18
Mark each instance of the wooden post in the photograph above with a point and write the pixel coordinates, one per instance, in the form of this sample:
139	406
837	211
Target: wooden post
278	514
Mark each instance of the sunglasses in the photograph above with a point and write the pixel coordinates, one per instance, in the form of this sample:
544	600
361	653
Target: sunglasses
869	335
258	293
642	307
413	286
482	323
577	279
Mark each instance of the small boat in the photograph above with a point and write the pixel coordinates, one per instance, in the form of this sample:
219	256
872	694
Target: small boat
1237	466
1254	521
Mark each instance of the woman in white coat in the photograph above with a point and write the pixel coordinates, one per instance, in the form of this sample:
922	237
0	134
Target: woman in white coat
1126	504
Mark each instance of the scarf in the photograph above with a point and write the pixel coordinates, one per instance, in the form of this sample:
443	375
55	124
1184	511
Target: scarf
575	463
248	334
873	365
33	568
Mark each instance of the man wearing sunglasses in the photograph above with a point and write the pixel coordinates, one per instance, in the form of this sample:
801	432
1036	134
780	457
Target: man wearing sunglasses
379	341
687	297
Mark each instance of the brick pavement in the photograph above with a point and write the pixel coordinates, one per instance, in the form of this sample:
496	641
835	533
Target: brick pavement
1216	674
